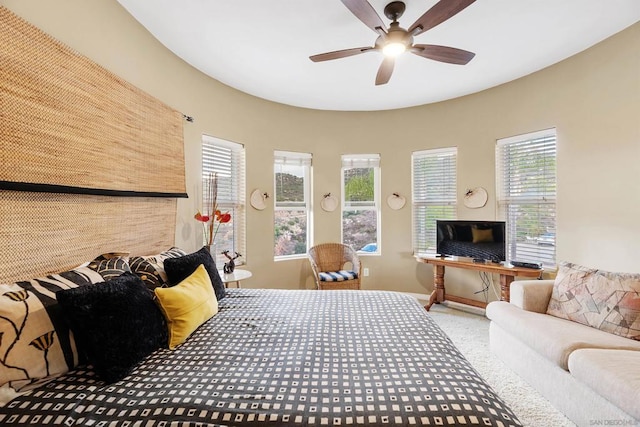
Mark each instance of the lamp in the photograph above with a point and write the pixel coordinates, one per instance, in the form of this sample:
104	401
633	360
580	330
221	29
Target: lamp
394	49
396	41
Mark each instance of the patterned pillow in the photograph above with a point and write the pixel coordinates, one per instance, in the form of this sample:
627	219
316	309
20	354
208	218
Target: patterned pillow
600	299
151	268
111	265
35	343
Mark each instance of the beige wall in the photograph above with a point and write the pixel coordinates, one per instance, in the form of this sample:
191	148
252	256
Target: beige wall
593	99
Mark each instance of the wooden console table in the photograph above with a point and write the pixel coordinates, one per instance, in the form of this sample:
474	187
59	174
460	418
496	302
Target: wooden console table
507	274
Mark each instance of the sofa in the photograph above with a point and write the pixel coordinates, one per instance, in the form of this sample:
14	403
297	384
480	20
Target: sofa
590	375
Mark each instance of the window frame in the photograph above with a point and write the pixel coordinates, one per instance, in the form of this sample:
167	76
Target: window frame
304	160
353	161
541	197
423	227
228	160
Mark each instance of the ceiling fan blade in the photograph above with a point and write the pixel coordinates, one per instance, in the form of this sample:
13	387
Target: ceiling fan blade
385	71
363	10
439	13
337	54
446	54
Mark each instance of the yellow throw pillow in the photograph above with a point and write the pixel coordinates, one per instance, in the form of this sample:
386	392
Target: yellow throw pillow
481	236
187	305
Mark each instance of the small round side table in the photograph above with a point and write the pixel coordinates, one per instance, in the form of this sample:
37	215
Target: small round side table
235	277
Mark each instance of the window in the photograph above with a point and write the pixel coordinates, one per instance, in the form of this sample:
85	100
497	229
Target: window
361	202
226	160
292	207
434	194
526	193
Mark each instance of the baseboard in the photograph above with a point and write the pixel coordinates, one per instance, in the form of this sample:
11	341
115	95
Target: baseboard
424	299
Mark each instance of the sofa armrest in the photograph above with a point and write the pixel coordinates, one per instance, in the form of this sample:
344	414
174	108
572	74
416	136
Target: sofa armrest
531	295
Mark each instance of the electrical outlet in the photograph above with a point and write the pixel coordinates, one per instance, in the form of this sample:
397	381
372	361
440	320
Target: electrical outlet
365	271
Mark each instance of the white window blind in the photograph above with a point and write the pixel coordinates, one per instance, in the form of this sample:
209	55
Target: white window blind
292	158
227	160
361	224
526	193
360	160
434	194
292	206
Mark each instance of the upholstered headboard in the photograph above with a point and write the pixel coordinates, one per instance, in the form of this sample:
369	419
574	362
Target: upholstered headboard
88	162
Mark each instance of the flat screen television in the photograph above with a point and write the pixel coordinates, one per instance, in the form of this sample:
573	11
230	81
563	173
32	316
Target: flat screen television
475	239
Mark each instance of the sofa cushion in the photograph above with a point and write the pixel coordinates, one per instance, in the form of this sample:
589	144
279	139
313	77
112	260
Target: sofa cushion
613	374
600	299
552	337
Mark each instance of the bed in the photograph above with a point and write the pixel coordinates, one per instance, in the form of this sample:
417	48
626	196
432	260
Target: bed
285	357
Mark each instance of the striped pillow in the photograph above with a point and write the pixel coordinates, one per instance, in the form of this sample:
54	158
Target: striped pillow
34	335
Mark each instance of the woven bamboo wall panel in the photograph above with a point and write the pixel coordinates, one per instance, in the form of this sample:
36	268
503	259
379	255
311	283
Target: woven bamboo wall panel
65	120
46	232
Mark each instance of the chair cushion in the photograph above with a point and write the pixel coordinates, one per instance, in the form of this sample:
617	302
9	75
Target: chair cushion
337	276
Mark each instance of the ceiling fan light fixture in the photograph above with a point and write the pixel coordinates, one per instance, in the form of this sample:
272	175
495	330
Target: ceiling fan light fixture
395	40
394	49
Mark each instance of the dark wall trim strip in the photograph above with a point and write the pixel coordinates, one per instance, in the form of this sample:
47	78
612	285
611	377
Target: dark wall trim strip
65	189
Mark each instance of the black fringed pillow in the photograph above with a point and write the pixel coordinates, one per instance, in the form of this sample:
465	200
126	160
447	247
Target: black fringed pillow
116	323
178	269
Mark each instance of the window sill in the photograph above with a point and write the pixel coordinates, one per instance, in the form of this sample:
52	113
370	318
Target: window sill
367	254
290	257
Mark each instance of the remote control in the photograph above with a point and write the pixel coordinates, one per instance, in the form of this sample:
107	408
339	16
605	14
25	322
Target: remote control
527	264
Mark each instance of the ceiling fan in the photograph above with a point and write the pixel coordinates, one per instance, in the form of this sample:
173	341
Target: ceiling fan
395	40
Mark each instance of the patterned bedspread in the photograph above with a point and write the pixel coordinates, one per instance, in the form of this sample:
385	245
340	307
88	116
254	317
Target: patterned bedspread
278	357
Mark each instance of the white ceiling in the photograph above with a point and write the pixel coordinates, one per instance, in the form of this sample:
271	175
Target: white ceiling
262	47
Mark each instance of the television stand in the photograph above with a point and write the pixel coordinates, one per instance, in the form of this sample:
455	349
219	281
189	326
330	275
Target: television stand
507	274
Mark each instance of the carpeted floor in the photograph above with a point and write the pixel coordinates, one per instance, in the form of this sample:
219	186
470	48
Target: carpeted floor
470	333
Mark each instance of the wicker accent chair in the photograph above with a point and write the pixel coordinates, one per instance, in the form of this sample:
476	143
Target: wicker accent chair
331	269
